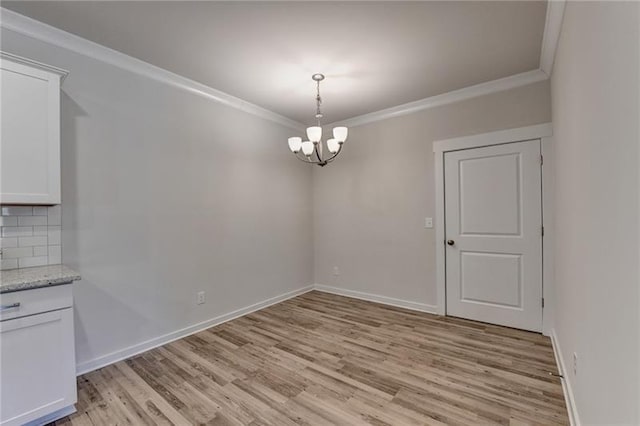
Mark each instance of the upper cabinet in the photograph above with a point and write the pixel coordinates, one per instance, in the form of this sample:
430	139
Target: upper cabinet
29	131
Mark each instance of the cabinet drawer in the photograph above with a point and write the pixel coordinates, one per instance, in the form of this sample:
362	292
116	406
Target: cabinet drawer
30	302
38	366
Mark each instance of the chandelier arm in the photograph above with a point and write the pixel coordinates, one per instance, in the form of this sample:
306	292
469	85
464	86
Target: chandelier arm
317	151
304	159
330	159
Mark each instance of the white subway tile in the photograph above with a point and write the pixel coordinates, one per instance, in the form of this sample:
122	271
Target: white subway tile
30	236
40	211
39	231
8	264
55	235
8	221
41	251
32	220
15	231
55	215
55	255
17	211
16	252
9	242
27	262
32	241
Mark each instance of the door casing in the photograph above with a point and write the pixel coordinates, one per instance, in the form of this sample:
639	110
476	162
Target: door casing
544	132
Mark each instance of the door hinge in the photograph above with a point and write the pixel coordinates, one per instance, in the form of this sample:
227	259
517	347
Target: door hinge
541	160
542	230
543	302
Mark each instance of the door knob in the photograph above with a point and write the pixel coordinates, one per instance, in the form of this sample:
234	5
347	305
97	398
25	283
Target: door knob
451	242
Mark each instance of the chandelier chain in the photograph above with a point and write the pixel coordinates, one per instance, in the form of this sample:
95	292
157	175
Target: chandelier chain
318	102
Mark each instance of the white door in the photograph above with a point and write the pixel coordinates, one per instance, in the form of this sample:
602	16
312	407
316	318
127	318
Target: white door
493	229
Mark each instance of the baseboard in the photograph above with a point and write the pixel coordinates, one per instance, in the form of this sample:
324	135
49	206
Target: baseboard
119	355
566	383
414	306
130	351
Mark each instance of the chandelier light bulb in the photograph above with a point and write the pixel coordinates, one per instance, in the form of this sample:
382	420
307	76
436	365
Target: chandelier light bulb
314	133
340	133
307	148
333	145
295	144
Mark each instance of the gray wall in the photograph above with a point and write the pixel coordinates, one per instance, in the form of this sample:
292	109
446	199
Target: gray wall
166	194
370	204
595	102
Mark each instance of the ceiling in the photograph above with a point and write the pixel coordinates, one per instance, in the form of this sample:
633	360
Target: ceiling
375	54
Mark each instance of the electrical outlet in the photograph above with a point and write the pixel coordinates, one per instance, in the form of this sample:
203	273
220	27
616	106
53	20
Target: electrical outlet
336	271
201	298
575	364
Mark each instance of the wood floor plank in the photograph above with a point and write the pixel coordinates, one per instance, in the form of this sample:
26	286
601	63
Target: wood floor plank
324	359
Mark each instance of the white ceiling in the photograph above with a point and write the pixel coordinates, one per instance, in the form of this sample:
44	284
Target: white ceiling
375	54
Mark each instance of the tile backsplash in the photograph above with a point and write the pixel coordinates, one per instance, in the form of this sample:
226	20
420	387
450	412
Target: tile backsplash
30	236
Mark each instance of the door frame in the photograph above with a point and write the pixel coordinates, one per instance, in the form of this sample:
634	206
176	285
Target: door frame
544	132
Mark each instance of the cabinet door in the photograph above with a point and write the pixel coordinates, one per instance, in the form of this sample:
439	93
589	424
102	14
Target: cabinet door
37	366
29	135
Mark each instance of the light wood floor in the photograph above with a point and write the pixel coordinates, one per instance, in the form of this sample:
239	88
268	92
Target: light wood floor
325	359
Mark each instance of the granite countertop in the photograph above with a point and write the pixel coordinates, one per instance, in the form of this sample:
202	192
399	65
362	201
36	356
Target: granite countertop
36	277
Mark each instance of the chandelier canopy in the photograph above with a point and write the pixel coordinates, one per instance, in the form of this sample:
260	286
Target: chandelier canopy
312	149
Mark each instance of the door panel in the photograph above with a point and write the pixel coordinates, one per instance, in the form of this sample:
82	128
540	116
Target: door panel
492	278
494	220
502	215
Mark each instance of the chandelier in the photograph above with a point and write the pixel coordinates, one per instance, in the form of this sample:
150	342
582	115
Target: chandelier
312	150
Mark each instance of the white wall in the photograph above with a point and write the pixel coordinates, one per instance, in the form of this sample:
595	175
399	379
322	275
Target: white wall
370	204
165	194
595	103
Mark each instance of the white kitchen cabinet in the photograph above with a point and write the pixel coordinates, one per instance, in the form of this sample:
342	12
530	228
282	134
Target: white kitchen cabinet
30	131
37	356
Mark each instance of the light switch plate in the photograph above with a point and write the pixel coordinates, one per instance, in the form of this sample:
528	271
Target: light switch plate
428	222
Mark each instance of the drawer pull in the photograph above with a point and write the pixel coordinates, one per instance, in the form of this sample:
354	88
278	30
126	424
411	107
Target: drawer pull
11	306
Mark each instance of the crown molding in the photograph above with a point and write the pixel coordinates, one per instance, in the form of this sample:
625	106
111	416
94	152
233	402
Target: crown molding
552	27
35	64
493	86
550	38
29	27
44	32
